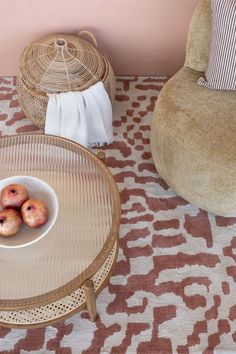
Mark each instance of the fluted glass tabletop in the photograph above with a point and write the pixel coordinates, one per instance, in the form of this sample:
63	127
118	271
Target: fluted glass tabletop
86	227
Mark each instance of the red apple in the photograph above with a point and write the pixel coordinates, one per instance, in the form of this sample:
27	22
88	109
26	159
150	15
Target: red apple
10	222
34	213
13	196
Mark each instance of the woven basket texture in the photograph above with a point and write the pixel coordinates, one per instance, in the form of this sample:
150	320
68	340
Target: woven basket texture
59	63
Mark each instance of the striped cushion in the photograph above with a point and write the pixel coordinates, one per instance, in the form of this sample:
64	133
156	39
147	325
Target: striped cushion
221	71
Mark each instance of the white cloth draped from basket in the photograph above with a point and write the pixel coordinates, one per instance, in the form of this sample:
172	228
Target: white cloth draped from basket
84	117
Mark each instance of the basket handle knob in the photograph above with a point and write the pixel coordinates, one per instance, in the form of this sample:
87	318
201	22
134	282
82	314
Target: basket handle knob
90	35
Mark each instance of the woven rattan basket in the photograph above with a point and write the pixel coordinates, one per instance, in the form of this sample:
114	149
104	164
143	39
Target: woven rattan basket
59	63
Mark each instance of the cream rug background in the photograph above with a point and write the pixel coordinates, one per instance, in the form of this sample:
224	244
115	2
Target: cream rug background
174	286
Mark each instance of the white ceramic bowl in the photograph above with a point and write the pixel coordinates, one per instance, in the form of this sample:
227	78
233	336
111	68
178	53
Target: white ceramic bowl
38	189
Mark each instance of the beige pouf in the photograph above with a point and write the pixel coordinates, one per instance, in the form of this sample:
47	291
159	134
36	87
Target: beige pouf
193	136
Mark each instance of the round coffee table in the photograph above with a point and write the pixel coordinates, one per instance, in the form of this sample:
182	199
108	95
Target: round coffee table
60	274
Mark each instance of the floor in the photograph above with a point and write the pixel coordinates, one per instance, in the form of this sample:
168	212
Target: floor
173	288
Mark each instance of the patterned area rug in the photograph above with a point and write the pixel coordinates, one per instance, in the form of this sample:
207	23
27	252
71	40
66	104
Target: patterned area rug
174	286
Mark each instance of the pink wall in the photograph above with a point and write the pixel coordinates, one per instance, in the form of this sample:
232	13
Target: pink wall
139	36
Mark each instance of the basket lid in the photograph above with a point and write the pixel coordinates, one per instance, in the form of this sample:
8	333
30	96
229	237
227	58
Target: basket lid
61	63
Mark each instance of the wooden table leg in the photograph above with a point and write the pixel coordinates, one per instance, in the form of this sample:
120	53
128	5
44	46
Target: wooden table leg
102	156
90	299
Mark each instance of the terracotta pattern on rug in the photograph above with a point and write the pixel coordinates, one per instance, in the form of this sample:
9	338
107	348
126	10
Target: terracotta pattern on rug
174	286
